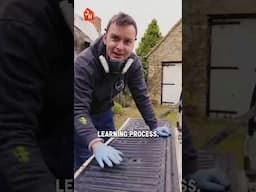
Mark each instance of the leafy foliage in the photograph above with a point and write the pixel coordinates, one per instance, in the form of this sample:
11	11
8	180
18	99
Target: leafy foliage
117	108
151	37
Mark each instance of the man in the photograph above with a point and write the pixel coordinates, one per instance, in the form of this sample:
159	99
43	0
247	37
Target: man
101	72
36	96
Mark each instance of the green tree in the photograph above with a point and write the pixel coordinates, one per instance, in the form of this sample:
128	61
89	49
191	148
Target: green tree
151	37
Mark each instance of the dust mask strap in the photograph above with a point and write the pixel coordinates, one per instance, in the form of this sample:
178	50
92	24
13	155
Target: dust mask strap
112	66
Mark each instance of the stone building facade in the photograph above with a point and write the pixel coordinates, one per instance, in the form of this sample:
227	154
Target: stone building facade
197	15
169	49
85	32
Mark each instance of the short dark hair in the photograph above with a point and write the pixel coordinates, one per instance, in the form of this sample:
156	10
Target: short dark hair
122	19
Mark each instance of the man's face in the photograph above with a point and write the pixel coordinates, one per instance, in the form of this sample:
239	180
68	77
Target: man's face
119	41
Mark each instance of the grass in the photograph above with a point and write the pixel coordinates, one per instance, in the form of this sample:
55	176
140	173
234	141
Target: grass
132	112
203	129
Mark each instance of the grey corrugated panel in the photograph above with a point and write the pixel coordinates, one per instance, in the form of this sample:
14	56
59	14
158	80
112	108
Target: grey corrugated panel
226	163
149	165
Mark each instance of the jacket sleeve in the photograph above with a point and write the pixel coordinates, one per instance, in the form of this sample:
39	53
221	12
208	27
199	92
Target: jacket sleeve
21	165
83	87
138	88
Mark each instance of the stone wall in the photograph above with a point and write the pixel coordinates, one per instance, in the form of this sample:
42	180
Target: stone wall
196	47
168	49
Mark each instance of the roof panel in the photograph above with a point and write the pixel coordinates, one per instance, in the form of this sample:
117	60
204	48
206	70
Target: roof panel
149	165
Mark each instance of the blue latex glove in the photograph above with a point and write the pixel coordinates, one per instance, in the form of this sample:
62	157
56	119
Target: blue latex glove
211	179
109	155
163	131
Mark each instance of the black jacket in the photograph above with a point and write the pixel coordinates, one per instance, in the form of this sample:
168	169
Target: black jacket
36	95
95	89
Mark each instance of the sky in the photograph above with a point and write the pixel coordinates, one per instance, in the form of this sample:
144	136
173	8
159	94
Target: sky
166	12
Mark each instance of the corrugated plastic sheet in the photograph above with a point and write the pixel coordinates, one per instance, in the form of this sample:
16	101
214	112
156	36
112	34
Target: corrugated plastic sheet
149	165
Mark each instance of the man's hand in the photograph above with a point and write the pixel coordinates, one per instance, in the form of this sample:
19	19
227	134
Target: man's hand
211	179
163	131
109	155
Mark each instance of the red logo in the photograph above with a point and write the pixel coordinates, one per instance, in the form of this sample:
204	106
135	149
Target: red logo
88	14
